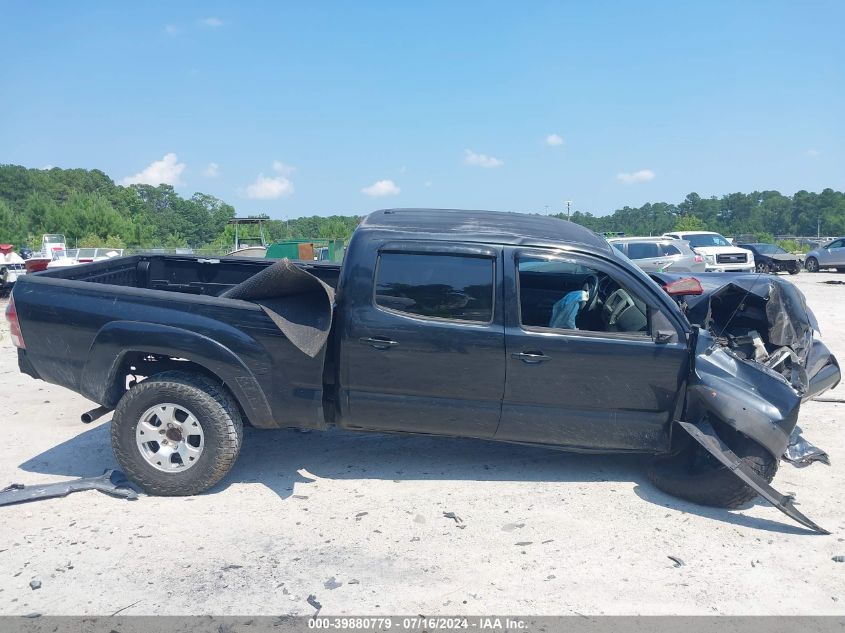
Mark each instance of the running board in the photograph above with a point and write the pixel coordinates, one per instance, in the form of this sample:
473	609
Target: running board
705	434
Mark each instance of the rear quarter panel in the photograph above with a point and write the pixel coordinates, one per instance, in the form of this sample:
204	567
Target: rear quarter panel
64	324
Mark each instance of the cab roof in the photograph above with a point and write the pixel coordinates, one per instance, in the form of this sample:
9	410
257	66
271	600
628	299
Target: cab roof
488	227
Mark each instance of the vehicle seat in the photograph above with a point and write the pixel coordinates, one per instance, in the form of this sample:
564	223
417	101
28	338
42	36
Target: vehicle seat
566	309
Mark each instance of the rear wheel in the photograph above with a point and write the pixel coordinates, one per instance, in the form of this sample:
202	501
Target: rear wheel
697	476
812	265
176	433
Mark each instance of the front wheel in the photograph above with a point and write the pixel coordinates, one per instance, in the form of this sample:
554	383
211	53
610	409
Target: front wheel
812	265
697	476
762	268
176	433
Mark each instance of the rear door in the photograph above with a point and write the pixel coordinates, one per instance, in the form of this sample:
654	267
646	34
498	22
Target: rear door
425	351
602	386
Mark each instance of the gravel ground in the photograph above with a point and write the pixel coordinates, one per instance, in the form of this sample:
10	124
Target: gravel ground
357	521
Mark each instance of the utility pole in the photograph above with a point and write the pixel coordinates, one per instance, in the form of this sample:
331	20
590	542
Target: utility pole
568	205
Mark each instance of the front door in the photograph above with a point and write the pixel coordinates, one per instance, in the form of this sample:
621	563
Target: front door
425	352
605	384
833	254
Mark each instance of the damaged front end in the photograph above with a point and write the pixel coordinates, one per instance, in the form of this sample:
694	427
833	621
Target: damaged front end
754	361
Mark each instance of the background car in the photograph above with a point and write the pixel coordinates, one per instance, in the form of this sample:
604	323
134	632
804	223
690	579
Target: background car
720	256
771	258
830	256
660	254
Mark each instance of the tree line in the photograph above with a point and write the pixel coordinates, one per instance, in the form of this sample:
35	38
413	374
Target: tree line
762	213
91	210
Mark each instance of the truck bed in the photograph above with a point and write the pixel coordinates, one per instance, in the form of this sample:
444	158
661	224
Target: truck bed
182	273
93	326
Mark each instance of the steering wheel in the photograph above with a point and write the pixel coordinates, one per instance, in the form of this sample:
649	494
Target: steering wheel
592	282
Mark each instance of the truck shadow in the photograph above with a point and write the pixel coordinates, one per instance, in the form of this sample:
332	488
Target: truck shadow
285	459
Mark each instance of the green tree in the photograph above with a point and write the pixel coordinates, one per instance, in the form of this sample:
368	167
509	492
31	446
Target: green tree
689	223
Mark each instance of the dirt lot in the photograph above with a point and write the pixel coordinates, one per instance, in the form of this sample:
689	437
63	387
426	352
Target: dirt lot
358	522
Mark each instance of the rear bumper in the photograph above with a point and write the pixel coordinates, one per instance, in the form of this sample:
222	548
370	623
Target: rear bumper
25	366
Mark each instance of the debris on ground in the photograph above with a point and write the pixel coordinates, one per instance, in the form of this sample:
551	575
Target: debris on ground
524	543
452	515
801	453
34	584
332	583
678	562
510	527
354	581
111	482
312	600
360	514
838	559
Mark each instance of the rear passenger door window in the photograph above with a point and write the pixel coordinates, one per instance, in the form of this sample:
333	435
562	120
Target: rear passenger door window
642	250
453	287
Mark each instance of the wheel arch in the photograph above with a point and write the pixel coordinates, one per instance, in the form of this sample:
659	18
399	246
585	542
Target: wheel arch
121	345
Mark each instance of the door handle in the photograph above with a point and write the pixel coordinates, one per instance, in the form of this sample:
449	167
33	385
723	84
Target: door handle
379	343
531	358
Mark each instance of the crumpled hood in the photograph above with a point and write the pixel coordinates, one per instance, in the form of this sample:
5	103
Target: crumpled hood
763	320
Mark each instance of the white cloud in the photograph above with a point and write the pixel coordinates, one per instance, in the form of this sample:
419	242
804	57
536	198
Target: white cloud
47	167
165	171
381	188
212	170
281	168
813	152
481	160
644	175
554	139
172	30
212	23
272	187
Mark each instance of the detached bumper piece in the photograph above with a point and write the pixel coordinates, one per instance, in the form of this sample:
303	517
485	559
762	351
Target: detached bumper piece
705	434
111	482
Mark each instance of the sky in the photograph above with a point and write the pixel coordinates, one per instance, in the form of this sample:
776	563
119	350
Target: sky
302	108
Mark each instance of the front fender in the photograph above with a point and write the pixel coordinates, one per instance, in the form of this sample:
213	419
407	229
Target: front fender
756	402
101	383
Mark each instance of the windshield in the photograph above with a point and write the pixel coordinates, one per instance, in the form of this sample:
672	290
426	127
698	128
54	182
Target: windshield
702	240
769	249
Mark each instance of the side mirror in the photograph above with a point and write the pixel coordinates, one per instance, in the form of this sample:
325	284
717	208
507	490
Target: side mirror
664	336
684	287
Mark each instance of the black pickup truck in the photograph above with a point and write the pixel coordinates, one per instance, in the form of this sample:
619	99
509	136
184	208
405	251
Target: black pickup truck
477	324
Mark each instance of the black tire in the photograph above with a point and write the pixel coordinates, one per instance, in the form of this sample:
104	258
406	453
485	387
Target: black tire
763	268
695	475
812	265
793	270
840	270
213	407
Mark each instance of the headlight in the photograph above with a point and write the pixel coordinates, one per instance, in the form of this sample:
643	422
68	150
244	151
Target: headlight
710	259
